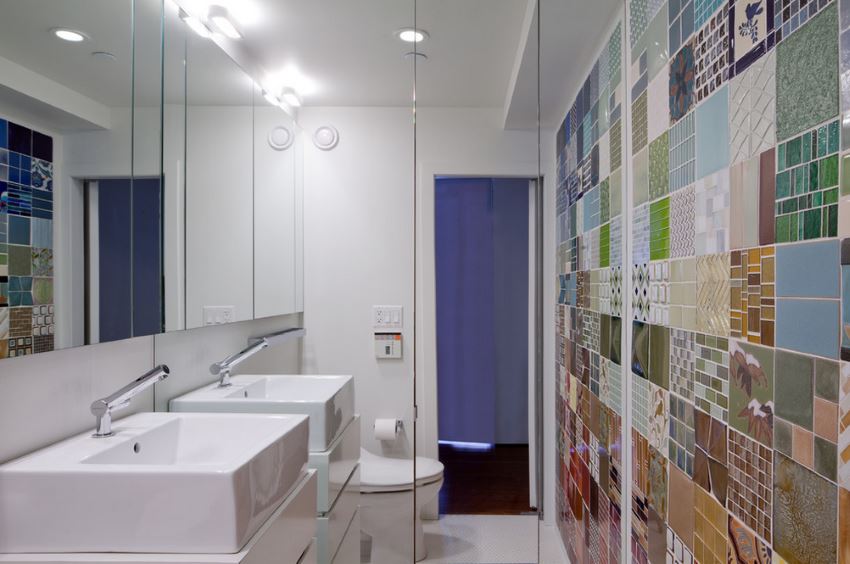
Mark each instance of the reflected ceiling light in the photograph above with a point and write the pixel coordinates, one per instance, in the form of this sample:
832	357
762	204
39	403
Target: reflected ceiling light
69	35
221	19
412	35
291	77
291	97
195	25
104	56
417	55
271	98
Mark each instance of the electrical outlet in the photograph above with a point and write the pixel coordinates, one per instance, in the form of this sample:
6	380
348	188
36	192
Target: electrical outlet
387	317
219	315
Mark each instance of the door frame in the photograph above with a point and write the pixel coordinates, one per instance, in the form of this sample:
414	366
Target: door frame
425	301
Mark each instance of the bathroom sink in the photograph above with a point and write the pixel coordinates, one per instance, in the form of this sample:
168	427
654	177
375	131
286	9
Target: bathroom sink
164	482
328	400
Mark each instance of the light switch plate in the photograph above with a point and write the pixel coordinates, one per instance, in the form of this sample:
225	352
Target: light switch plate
387	317
219	315
388	345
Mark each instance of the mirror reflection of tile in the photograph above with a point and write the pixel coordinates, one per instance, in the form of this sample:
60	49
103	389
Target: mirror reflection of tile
27	309
739	293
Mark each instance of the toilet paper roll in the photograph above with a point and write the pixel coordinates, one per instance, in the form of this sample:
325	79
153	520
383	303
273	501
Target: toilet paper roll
386	429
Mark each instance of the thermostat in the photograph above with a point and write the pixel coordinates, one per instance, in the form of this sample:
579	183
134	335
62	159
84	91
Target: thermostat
388	345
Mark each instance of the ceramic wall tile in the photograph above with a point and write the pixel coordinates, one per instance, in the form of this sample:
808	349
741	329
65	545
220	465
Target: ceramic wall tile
640	234
682	363
711	384
712	131
659	292
744	546
682	141
704	9
745	204
639	124
712	201
681	17
681	516
808	270
641	400
683	222
753	304
677	551
640	182
751	387
753	35
683	293
807	75
681	440
659	167
659	229
711	51
640	292
805	507
657	494
682	94
658	104
752	111
808	326
791	16
844	427
709	529
616	136
751	483
713	294
710	470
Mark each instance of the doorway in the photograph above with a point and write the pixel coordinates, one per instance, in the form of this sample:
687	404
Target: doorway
482	258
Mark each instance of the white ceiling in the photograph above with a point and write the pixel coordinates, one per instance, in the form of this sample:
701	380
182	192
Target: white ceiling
481	53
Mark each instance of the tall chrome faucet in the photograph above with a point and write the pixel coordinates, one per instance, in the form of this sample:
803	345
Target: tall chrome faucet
102	408
223	368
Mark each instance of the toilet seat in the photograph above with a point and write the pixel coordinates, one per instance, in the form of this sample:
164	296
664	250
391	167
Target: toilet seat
381	474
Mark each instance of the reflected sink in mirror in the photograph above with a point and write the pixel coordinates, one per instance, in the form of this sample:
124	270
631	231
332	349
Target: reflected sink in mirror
165	482
328	400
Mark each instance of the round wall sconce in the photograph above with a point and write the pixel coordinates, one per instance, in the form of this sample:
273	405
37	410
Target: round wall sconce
280	138
326	137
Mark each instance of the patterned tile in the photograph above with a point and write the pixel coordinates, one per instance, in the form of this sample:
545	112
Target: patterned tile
713	295
791	16
640	179
711	52
682	92
682	139
710	471
843	427
639	124
751	405
681	441
753	307
640	234
711	385
751	25
744	546
704	9
659	281
807	76
616	239
640	292
751	483
616	285
659	229
658	421
804	510
752	110
641	401
807	185
659	167
682	363
638	19
657	494
683	293
709	529
683	223
616	140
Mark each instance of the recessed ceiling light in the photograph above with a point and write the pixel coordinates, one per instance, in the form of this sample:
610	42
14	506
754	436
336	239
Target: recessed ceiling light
291	97
221	19
69	35
412	35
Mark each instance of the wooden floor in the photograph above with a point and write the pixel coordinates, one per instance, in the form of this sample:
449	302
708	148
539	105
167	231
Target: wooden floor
494	482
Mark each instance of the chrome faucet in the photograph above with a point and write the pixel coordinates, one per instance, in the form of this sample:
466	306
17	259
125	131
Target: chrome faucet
102	409
223	368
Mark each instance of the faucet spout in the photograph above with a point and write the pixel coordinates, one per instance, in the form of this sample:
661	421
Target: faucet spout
103	408
223	368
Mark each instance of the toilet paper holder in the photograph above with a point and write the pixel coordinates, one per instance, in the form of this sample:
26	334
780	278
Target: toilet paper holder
387	429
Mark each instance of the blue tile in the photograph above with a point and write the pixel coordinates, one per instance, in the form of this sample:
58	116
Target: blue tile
4	133
14	160
712	133
19	230
808	270
808	326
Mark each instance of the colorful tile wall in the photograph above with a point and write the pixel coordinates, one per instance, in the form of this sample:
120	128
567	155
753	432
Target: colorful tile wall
739	372
27	313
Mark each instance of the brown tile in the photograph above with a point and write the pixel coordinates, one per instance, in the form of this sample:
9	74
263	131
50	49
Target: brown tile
803	446
681	515
710	526
843	526
767	196
826	419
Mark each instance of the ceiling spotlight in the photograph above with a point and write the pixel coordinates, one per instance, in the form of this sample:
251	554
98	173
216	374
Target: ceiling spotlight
271	98
291	97
221	19
69	35
412	35
195	25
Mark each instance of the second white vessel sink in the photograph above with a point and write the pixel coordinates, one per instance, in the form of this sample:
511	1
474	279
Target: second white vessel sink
164	482
328	400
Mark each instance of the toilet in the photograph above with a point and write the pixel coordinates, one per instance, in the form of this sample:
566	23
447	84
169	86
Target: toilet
386	488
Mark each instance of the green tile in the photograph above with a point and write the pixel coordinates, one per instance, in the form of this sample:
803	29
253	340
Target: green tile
845	175
821	142
813	176
783	228
829	172
780	158
817	199
604	201
800	180
796	227
833	137
832	223
826	458
807	146
782	436
812	224
807	65
605	245
659	167
830	196
794	152
783	184
826	379
794	388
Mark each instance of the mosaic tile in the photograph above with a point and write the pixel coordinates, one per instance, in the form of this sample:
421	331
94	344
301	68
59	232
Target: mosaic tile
683	223
616	286
751	406
682	363
681	440
710	472
753	307
616	239
640	234
640	292
638	20
711	50
682	141
713	294
709	529
750	496
677	551
616	140
659	229
641	398
604	246
807	186
639	124
683	293
744	546
711	384
712	202
659	161
752	110
791	16
704	9
807	76
682	91
804	514
681	17
712	132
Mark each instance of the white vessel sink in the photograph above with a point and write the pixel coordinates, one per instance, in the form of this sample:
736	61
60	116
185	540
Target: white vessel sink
165	482
328	400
